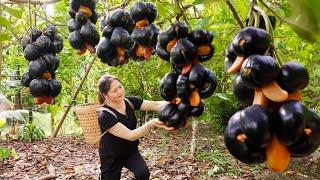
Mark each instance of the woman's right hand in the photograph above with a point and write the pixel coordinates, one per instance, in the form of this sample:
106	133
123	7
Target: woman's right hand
157	123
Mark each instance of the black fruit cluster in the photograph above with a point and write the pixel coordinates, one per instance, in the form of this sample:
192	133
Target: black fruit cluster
275	125
40	50
116	43
189	81
83	33
145	33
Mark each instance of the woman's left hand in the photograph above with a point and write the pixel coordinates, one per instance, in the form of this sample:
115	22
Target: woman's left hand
157	123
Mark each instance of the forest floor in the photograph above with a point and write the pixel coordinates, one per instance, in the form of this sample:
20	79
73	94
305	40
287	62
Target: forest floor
167	156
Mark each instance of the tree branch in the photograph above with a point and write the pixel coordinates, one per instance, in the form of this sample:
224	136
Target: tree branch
46	19
235	14
36	2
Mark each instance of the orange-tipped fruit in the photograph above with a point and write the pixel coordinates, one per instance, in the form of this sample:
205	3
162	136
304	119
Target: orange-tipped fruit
91	48
194	98
274	92
186	68
139	51
307	131
203	50
260	98
278	156
171	44
86	11
148	51
142	23
295	96
82	51
46	75
39	100
120	53
242	137
236	66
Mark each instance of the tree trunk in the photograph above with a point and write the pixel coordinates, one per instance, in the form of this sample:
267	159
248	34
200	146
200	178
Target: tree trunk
194	134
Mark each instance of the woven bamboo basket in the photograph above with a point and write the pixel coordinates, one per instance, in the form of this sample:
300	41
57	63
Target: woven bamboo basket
88	117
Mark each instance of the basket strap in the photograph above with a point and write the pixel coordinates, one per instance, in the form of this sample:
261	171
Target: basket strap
109	111
112	113
129	102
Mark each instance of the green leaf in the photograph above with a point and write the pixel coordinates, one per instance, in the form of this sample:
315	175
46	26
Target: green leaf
4	37
14	12
317	72
305	19
4	153
4	22
196	2
223	96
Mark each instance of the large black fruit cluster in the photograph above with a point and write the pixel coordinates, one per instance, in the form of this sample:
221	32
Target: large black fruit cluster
189	81
145	33
40	50
116	43
275	125
83	33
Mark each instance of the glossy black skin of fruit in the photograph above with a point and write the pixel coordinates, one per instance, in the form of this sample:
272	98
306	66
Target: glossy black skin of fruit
42	43
141	10
243	93
255	123
251	41
196	111
39	87
168	89
75	39
37	67
203	80
243	151
183	52
121	37
289	126
119	18
307	144
89	33
26	79
73	25
55	88
183	88
105	50
258	70
230	57
292	77
31	52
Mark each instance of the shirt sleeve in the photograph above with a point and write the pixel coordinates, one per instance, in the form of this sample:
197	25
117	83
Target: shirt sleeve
106	120
136	102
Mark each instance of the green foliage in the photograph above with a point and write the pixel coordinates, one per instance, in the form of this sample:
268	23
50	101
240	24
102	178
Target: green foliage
31	133
305	19
4	153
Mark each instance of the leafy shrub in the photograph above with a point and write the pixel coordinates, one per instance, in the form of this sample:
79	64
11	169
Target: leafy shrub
31	133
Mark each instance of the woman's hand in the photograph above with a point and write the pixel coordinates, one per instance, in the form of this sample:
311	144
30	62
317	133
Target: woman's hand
157	123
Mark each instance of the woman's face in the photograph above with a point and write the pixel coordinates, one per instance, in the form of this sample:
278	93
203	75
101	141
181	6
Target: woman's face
116	93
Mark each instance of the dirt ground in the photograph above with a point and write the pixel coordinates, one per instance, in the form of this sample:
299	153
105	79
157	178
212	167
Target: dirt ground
167	155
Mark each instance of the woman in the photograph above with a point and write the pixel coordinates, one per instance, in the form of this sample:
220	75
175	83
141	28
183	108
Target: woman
118	146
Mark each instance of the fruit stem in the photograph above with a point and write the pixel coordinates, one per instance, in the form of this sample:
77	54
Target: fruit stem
235	14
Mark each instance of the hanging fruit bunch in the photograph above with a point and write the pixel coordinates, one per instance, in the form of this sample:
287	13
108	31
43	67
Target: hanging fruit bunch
189	81
145	33
40	50
114	47
83	33
275	125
